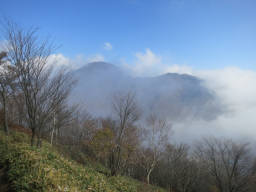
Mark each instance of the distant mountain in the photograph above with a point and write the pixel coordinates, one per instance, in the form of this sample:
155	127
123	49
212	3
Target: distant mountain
97	67
176	96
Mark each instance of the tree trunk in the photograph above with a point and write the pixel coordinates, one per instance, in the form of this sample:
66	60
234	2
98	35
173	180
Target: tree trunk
118	159
33	137
39	142
52	133
115	159
148	175
112	166
170	188
113	172
6	128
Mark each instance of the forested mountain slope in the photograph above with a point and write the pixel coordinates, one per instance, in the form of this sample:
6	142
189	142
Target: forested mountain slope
27	168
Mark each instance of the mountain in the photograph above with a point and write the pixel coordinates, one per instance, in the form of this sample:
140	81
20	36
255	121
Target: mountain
175	96
98	67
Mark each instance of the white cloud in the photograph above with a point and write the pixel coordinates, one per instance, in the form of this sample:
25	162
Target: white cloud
107	46
181	69
235	89
95	58
145	64
150	64
234	85
147	59
59	60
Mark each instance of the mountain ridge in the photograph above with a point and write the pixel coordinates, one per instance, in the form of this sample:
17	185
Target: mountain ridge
172	95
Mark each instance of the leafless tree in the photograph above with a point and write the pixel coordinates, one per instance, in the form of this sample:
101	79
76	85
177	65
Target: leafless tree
182	171
6	83
43	88
228	163
18	107
156	137
126	113
61	118
81	127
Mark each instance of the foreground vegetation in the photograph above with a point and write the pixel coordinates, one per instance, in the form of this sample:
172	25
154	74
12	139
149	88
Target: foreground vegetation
45	169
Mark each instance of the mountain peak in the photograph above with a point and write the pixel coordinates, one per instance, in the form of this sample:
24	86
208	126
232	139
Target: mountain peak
98	71
100	65
177	76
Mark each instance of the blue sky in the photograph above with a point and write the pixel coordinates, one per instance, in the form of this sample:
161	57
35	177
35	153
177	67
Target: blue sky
202	34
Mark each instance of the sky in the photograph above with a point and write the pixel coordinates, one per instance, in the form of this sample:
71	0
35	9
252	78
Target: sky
203	34
214	40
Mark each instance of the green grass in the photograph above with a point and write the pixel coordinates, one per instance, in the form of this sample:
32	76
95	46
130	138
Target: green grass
45	169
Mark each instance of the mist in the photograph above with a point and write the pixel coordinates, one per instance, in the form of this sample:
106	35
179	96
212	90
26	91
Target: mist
180	98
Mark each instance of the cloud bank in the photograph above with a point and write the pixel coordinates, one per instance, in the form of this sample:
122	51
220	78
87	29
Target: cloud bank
232	85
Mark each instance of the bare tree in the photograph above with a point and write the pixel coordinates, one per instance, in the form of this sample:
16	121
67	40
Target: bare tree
61	118
126	112
156	137
182	171
6	80
80	129
18	106
228	163
43	88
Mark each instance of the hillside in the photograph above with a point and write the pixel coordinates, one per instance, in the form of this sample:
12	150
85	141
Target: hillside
25	168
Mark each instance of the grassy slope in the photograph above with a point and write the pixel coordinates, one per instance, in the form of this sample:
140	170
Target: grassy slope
32	169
